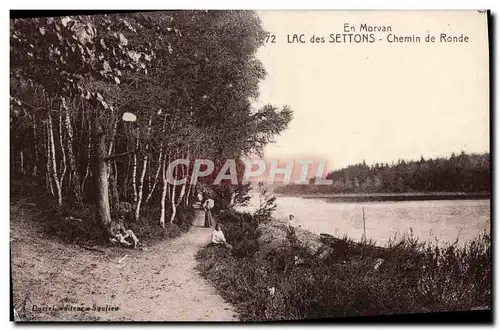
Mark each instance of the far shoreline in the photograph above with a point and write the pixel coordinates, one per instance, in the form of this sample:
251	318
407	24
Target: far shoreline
383	197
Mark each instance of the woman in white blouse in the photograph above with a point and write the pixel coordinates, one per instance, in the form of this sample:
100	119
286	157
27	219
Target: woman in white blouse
218	237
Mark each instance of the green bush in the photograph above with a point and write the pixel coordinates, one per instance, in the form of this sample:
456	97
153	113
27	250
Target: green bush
184	218
241	230
148	228
72	226
81	226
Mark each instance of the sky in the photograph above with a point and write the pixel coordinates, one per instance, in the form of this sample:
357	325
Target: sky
380	101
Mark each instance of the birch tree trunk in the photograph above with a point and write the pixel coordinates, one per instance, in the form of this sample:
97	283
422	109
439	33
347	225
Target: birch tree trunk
163	194
182	192
35	149
124	183
188	196
144	167
52	161
63	153
111	145
158	169
21	157
113	189
48	181
76	193
172	199
13	159
183	189
101	177
89	149
134	170
160	160
172	204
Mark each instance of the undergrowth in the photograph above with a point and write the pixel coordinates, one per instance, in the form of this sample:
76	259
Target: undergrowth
414	277
81	226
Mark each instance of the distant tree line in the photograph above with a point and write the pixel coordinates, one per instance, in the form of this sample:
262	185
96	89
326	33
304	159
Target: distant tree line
459	173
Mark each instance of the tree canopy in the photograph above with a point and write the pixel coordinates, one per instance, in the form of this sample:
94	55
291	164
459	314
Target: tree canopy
188	77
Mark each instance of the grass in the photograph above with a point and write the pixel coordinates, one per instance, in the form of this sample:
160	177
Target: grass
414	277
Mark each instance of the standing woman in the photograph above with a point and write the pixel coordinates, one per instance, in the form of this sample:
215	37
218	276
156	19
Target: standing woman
208	205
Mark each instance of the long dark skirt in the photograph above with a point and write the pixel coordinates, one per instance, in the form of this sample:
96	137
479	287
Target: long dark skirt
208	218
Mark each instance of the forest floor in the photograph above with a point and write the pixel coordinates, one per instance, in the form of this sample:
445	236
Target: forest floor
53	281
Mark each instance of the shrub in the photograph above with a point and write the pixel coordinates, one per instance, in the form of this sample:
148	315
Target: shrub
81	225
148	228
267	204
246	248
184	218
72	226
415	277
241	229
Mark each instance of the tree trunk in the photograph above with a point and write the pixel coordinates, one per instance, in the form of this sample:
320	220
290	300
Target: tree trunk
63	153
150	161
114	197
101	178
160	160
163	194
48	181
144	168
182	193
134	170
183	189
21	157
141	186
113	188
188	196
76	193
124	184
53	162
87	169
35	149
111	145
172	200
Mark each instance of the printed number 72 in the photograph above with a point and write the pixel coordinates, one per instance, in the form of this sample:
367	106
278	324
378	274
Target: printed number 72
270	38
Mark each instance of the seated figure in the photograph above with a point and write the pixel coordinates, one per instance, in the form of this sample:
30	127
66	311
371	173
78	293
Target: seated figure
218	237
120	234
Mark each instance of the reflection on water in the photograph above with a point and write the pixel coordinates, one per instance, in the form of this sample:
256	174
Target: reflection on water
441	220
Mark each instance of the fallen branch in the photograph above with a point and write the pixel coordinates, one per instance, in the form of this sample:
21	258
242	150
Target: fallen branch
123	258
93	249
70	218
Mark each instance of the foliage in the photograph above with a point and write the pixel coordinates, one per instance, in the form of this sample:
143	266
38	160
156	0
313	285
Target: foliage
267	203
228	194
415	277
188	76
79	226
241	230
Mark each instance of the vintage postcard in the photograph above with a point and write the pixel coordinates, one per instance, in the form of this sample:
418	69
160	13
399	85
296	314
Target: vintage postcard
237	165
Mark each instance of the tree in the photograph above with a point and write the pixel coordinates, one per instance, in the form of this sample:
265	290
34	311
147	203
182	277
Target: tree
187	77
267	203
82	56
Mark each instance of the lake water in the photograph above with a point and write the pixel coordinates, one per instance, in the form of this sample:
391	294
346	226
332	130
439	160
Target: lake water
441	220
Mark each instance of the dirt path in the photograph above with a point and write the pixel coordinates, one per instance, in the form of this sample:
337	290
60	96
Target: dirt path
160	284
